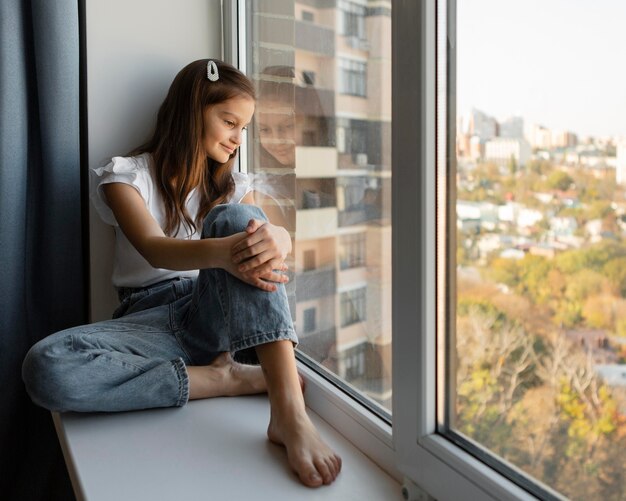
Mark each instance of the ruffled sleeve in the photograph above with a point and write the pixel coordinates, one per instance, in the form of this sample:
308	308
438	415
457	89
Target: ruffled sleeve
133	171
242	186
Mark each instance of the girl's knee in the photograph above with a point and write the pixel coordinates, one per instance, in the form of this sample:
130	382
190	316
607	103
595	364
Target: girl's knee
43	372
227	219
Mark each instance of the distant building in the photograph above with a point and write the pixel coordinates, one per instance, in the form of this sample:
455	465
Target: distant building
480	124
476	148
564	139
539	136
512	254
501	150
469	214
528	217
612	374
563	226
512	127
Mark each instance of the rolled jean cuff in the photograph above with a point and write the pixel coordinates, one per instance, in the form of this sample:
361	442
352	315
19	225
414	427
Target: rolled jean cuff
183	382
266	337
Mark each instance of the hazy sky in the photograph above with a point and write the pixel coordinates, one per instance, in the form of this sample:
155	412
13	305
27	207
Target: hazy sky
560	63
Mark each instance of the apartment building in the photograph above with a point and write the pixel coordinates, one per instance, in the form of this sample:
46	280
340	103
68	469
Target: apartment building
336	56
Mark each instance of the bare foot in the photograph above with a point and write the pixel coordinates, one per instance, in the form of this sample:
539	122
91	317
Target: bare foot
225	378
313	461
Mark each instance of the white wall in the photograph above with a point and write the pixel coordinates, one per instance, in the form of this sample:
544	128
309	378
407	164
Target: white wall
134	50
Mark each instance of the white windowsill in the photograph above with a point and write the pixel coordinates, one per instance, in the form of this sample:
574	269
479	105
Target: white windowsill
209	449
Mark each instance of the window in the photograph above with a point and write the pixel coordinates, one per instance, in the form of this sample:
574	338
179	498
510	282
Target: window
308	260
308	77
354	134
352	77
428	446
535	357
354	362
310	323
352	19
352	251
308	16
353	306
305	88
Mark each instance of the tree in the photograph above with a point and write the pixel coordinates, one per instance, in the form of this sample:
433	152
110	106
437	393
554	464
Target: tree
599	312
538	403
615	271
559	180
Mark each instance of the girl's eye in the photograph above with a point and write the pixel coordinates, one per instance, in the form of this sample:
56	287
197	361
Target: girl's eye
230	123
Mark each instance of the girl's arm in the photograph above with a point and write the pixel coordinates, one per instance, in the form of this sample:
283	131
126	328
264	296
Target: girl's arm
145	234
264	248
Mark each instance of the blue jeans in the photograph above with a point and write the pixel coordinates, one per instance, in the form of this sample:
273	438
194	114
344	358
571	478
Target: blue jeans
138	359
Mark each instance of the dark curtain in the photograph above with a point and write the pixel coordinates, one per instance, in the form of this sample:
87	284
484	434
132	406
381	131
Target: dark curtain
42	285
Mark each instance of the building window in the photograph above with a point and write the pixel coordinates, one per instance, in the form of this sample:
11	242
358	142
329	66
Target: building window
308	77
352	77
352	251
352	139
310	321
353	306
352	19
354	361
308	260
308	16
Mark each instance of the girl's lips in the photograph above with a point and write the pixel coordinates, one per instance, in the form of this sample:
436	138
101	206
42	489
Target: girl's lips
229	150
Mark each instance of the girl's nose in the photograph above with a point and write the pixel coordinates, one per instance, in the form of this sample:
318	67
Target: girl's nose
236	137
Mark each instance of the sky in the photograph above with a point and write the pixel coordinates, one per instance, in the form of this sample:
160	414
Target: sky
558	63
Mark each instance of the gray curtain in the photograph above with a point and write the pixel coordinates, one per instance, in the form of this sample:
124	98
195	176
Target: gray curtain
42	276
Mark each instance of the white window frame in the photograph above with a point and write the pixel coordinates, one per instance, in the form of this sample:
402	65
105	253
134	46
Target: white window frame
410	450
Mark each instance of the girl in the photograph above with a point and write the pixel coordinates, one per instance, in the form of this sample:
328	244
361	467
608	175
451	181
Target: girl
172	337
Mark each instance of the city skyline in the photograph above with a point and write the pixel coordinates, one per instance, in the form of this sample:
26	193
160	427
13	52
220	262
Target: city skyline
500	119
554	63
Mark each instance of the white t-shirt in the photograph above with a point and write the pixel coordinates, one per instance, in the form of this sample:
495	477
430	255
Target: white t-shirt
130	268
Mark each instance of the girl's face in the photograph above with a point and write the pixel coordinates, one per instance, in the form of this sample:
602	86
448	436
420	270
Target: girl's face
276	125
223	126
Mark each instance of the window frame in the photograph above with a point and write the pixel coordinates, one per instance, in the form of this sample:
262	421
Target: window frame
410	449
352	77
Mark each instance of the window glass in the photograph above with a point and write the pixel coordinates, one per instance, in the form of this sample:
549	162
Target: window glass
320	160
309	322
538	288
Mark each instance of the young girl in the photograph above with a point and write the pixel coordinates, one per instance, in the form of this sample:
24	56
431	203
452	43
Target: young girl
172	337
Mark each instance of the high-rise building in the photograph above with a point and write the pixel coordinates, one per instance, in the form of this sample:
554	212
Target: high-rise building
324	72
512	127
505	150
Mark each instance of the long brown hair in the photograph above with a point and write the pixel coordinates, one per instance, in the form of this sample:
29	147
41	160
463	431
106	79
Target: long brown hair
176	145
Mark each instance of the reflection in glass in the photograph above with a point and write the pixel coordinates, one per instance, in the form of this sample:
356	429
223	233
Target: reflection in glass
320	160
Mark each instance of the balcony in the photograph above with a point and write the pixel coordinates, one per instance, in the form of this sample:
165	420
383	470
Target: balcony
315	38
316	223
316	162
359	214
314	102
315	284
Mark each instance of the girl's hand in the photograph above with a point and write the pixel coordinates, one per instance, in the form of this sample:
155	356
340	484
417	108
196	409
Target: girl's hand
266	282
263	250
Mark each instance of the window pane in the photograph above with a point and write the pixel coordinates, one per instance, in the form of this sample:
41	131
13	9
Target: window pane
539	331
320	158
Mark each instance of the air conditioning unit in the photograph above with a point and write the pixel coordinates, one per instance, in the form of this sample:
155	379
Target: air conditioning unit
361	159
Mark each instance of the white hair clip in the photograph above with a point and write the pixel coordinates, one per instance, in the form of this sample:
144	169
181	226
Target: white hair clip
211	71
